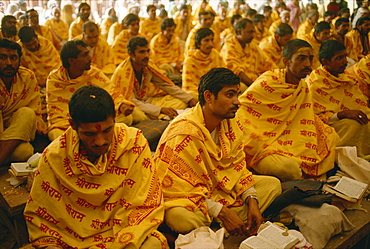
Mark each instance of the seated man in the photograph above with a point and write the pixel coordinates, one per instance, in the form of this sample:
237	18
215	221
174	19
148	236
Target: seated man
183	23
308	25
202	153
138	80
200	61
57	25
151	25
359	37
93	187
20	115
284	18
243	56
279	104
75	72
9	28
341	29
39	54
273	45
261	30
75	28
338	100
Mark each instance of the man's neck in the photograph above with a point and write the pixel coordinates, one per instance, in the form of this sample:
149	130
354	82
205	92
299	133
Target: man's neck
7	81
74	73
137	68
336	74
211	121
291	79
242	43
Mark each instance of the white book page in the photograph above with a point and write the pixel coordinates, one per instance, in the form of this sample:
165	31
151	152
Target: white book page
275	235
255	242
350	187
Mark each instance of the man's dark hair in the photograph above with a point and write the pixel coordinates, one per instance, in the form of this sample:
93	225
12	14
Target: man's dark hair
341	20
250	12
149	7
70	50
342	10
292	47
214	80
5	19
167	23
200	34
135	42
362	20
91	104
280	5
26	34
203	13
283	29
321	26
12	45
241	24
266	8
183	6
328	49
257	18
234	18
89	26
30	10
83	5
329	13
130	18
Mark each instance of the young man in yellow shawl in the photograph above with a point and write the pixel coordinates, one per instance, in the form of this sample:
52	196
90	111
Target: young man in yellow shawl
273	45
200	61
75	28
308	25
39	54
360	37
183	23
202	154
96	186
107	22
279	104
138	80
221	21
57	25
338	99
341	29
20	115
150	26
243	56
75	72
261	30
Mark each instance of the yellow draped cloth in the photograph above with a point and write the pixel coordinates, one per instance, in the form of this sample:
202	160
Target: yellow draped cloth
41	62
180	26
250	60
190	41
275	15
23	93
149	27
59	89
198	168
235	12
196	65
283	114
13	38
361	71
274	25
105	26
114	30
163	52
355	37
119	46
60	28
315	47
272	50
75	28
268	21
259	36
45	32
304	29
200	9
220	25
114	203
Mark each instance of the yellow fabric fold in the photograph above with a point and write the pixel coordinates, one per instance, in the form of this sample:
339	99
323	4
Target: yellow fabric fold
105	26
361	71
59	28
165	53
355	37
114	30
305	29
272	50
119	46
149	28
75	28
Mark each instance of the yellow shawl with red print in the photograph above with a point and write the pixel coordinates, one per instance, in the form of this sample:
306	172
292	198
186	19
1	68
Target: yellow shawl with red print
284	115
272	50
355	37
59	28
114	203
119	46
198	168
361	71
304	29
114	30
149	27
165	53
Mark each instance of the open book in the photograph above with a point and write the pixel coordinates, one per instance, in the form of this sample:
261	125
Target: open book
347	188
272	236
22	169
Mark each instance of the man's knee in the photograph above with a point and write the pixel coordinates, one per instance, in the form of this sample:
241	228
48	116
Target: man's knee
22	152
183	221
151	243
54	134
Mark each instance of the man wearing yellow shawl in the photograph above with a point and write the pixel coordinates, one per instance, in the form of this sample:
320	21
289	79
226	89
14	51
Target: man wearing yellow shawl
261	31
267	11
243	56
338	100
75	72
20	115
75	28
273	45
361	71
202	155
341	29
221	21
152	25
39	54
119	45
284	18
360	37
107	22
9	28
279	104
138	80
200	61
203	7
183	23
57	25
236	10
308	25
96	186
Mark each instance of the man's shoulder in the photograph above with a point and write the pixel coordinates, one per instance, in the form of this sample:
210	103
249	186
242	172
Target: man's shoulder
25	73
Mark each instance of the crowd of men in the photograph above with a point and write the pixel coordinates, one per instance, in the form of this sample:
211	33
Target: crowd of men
266	92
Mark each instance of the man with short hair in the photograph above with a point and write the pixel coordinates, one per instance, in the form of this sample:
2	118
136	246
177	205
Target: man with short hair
75	28
200	61
243	56
57	25
151	25
308	25
138	80
273	45
360	37
39	54
341	29
9	28
183	23
202	154
267	11
284	18
261	31
20	115
107	22
96	185
279	104
221	22
338	99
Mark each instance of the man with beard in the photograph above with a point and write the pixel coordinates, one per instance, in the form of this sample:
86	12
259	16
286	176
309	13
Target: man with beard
57	25
243	56
341	29
206	176
39	54
19	104
360	37
138	80
76	71
75	28
338	99
296	143
9	28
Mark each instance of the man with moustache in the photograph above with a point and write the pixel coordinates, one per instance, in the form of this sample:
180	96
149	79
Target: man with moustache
20	115
138	80
9	28
297	144
150	26
338	99
341	29
206	176
360	37
183	22
75	28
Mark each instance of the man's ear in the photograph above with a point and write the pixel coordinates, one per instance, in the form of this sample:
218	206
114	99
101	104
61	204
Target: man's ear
73	125
286	61
207	96
324	62
71	61
131	54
